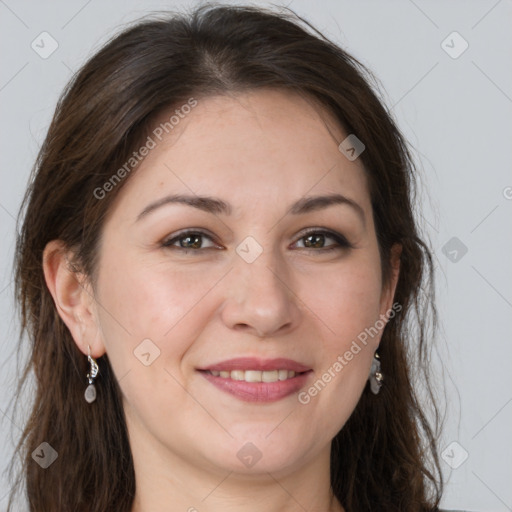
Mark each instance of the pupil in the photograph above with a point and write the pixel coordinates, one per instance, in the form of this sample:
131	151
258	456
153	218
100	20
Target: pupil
186	242
314	241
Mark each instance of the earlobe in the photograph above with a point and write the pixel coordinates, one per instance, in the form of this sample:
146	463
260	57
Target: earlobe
72	297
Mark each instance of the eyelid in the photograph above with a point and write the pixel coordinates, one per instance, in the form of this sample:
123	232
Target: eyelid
341	240
169	240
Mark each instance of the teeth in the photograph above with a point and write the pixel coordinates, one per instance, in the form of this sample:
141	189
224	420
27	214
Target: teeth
252	376
238	375
255	375
271	376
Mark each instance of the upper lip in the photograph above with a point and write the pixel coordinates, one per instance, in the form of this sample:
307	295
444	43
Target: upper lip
254	363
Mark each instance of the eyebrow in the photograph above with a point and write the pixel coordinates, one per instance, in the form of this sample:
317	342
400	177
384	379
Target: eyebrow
218	206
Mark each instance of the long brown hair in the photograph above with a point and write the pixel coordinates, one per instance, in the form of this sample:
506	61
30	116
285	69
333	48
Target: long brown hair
385	457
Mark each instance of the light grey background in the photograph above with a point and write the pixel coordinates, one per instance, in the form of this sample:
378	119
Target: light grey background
456	112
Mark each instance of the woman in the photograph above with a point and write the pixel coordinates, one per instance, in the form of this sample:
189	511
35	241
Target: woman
221	277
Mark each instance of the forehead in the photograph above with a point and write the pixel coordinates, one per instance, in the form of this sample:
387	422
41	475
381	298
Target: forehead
261	148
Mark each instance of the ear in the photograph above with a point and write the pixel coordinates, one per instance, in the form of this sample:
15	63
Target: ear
388	290
73	297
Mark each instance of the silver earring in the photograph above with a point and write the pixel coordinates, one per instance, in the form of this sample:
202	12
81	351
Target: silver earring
90	392
376	376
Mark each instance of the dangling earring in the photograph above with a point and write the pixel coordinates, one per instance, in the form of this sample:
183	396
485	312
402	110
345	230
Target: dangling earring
90	392
376	376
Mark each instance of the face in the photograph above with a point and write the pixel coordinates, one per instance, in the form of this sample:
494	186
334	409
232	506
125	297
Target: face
230	297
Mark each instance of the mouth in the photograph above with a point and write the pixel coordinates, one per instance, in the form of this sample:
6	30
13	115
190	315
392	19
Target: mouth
257	380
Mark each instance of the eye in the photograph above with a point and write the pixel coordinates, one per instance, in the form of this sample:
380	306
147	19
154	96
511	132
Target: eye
187	240
316	239
312	239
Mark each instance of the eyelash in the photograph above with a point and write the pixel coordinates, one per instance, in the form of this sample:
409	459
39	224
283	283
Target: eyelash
341	241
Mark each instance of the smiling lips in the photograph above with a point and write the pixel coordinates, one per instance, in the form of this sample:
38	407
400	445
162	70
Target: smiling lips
258	380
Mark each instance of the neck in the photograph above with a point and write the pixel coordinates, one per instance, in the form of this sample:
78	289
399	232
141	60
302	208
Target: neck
229	494
164	480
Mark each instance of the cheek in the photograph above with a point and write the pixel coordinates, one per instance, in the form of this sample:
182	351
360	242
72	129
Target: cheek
347	306
149	318
147	299
346	301
142	301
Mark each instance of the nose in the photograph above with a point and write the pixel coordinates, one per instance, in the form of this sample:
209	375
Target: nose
260	299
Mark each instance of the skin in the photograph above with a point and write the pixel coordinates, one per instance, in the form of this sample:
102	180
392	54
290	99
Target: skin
260	152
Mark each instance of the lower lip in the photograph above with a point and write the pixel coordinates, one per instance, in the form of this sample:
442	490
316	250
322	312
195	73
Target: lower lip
258	391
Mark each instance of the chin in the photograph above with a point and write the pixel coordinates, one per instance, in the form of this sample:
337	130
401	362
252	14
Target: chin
258	455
